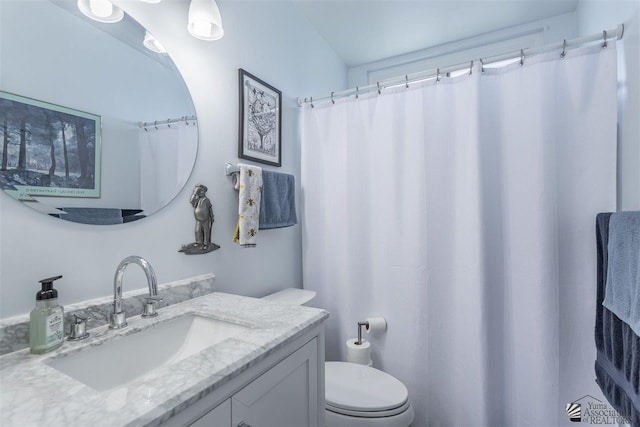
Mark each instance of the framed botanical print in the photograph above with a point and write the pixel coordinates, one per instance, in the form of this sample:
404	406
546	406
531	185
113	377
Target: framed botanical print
260	121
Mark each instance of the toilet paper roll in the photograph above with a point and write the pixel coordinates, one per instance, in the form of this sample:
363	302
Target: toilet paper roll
376	324
359	353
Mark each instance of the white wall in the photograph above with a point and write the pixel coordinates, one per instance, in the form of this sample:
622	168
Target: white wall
271	40
595	16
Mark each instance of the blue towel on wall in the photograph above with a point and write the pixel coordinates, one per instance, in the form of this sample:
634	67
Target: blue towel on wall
622	296
278	202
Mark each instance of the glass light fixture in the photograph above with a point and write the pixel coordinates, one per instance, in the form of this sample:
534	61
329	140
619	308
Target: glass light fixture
205	22
101	10
151	1
151	43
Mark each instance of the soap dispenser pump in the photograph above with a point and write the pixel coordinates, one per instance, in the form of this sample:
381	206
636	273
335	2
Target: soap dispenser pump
46	321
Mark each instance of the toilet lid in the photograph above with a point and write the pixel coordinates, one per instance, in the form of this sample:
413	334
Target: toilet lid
360	388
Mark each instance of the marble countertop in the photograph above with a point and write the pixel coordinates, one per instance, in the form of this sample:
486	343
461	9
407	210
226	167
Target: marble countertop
34	394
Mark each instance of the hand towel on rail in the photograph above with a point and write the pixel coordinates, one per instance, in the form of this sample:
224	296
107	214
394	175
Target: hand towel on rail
278	203
248	205
622	296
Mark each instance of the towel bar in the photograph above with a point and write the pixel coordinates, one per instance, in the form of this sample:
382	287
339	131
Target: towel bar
230	169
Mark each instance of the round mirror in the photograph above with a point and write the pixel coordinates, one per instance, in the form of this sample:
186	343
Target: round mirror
96	123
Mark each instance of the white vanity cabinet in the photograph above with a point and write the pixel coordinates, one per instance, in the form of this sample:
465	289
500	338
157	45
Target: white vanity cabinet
285	395
219	416
284	390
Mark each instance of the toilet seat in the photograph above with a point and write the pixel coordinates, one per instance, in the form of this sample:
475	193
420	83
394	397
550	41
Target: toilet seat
368	414
404	419
360	391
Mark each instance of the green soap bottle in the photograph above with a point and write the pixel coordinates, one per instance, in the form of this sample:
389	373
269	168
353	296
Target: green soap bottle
46	321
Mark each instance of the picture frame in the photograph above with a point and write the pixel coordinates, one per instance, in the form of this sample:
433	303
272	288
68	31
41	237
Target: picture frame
48	149
259	136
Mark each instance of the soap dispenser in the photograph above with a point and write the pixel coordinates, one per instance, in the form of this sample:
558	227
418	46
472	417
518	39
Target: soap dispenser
46	321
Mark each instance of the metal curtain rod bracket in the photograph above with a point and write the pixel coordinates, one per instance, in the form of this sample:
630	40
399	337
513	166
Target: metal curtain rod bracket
404	80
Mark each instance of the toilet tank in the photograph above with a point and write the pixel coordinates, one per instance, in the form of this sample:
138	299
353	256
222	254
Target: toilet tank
291	296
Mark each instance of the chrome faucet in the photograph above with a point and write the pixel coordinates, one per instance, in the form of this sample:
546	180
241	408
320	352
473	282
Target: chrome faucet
118	317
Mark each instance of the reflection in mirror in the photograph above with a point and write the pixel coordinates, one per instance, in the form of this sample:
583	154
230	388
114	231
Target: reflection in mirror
94	126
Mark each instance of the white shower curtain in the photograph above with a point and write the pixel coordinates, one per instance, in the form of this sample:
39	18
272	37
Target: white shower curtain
166	159
463	211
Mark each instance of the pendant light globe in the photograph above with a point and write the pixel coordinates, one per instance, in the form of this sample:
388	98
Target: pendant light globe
101	10
205	22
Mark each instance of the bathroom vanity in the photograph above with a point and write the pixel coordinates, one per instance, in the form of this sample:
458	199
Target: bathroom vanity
217	360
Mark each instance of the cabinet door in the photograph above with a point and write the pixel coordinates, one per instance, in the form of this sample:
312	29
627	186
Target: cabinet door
220	416
284	396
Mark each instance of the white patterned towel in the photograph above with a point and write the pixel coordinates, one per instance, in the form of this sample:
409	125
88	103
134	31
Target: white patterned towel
248	205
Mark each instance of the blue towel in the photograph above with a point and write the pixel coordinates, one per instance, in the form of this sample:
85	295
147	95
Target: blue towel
622	295
278	202
100	216
617	364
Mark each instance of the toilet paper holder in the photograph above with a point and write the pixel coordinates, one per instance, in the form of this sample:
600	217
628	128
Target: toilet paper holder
371	324
360	325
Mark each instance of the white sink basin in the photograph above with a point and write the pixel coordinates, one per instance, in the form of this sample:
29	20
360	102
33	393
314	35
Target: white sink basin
124	359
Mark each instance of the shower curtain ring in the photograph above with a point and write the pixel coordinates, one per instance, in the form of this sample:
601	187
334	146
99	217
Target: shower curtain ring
332	101
379	90
406	81
521	56
564	48
311	102
438	75
155	124
471	68
604	39
357	90
481	65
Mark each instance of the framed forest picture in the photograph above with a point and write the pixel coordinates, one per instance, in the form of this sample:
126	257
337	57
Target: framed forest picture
48	149
260	121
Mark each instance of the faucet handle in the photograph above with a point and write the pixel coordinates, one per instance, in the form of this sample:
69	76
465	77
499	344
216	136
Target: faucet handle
79	319
78	330
150	306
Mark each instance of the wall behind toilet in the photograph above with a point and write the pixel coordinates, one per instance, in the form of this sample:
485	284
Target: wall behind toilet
271	40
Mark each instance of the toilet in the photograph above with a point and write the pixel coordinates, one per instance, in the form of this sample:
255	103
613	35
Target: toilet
356	395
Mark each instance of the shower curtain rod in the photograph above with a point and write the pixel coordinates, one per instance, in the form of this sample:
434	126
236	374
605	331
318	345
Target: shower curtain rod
156	123
437	73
